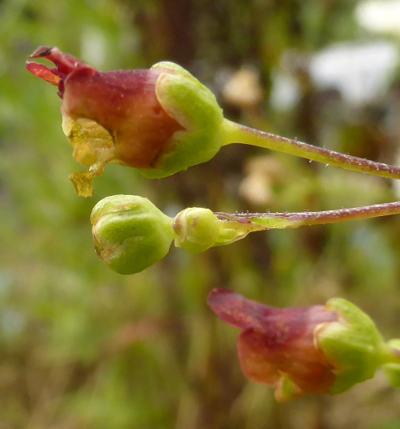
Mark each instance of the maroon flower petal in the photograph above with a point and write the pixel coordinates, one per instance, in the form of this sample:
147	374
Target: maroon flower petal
263	361
256	359
236	310
43	72
65	63
125	104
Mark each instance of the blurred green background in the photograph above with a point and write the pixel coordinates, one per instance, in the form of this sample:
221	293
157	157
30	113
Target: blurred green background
83	347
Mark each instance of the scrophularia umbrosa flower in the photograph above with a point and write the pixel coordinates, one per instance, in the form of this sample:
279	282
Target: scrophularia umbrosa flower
130	117
317	349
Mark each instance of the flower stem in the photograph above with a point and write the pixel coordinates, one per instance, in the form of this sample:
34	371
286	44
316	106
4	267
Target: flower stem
297	219
236	133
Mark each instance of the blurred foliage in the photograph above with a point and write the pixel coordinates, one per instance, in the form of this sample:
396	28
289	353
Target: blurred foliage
81	346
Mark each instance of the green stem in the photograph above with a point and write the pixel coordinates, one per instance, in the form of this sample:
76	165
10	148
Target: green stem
236	133
297	219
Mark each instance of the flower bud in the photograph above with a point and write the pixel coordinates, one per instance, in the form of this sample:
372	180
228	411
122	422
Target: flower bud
196	229
130	233
161	120
299	350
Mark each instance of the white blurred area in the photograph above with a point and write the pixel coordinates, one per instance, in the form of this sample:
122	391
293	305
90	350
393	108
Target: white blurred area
93	47
360	71
380	16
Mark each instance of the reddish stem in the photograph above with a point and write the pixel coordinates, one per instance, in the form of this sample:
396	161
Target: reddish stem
296	219
237	133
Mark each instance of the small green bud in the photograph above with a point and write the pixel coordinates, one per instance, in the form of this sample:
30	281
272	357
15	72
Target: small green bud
196	229
353	344
130	233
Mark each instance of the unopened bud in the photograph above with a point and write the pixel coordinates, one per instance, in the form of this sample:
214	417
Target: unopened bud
130	233
196	229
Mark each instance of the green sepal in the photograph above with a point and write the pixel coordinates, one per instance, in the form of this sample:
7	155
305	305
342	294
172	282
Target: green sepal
287	389
352	344
392	369
130	233
196	109
197	229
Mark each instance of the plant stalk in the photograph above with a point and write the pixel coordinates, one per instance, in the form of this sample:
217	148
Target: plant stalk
236	133
297	219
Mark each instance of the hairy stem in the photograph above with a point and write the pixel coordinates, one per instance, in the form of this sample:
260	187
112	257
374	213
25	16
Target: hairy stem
236	133
296	219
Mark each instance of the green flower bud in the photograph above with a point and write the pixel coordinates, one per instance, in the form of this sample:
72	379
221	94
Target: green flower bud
196	229
130	233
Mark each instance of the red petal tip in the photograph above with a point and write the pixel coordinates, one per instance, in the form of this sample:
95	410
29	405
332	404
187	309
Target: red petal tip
41	51
65	64
43	72
236	310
